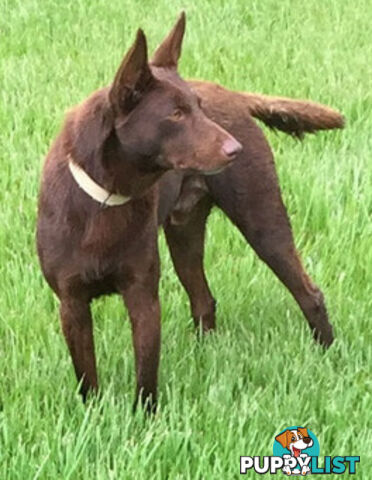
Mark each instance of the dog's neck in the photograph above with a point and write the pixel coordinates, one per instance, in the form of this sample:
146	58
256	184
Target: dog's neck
94	147
93	189
109	174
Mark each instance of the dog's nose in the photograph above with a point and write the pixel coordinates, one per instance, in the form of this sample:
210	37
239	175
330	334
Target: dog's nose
307	440
231	148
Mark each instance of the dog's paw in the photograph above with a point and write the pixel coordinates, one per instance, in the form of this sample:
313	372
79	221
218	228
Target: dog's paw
305	470
287	470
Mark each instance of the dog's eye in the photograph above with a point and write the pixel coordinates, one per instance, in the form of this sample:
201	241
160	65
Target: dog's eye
177	115
293	439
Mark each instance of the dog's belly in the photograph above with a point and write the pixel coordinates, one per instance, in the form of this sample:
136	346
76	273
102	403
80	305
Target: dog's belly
104	286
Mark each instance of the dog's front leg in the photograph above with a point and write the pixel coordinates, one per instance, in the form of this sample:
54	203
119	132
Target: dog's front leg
144	311
186	245
78	331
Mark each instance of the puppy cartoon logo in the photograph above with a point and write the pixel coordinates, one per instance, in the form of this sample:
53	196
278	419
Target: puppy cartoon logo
297	442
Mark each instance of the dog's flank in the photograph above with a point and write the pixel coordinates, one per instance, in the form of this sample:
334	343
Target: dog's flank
294	117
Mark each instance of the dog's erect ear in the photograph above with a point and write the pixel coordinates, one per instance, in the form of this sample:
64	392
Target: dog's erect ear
283	439
169	51
133	77
90	126
303	431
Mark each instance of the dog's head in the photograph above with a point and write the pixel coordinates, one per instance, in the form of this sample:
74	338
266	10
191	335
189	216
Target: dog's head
158	119
295	440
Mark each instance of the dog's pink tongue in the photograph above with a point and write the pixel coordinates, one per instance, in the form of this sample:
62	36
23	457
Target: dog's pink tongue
296	452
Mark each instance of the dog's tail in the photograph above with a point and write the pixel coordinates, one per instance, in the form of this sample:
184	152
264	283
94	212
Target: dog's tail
294	117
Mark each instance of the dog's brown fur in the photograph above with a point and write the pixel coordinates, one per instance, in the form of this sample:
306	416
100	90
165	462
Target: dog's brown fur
125	137
86	250
295	117
249	194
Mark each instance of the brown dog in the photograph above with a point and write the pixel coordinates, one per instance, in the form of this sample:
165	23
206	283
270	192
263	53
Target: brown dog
249	194
97	222
99	209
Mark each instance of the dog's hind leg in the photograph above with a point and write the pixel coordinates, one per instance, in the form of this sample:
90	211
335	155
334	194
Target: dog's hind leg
77	328
249	194
186	244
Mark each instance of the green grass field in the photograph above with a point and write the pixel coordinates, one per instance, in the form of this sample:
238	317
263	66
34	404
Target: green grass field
232	393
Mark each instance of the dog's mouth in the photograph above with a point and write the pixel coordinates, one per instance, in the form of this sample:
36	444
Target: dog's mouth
197	168
213	172
296	452
217	170
197	171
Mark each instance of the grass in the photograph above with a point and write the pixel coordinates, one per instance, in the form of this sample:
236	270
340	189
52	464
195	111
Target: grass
229	395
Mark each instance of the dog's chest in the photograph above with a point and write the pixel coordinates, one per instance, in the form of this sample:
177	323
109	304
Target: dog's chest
115	241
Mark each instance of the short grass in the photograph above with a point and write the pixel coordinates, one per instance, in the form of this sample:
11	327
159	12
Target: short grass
229	395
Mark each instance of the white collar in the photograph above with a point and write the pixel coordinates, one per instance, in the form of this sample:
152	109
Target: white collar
90	187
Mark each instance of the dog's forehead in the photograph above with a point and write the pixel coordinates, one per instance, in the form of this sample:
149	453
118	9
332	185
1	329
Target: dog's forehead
168	74
171	79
